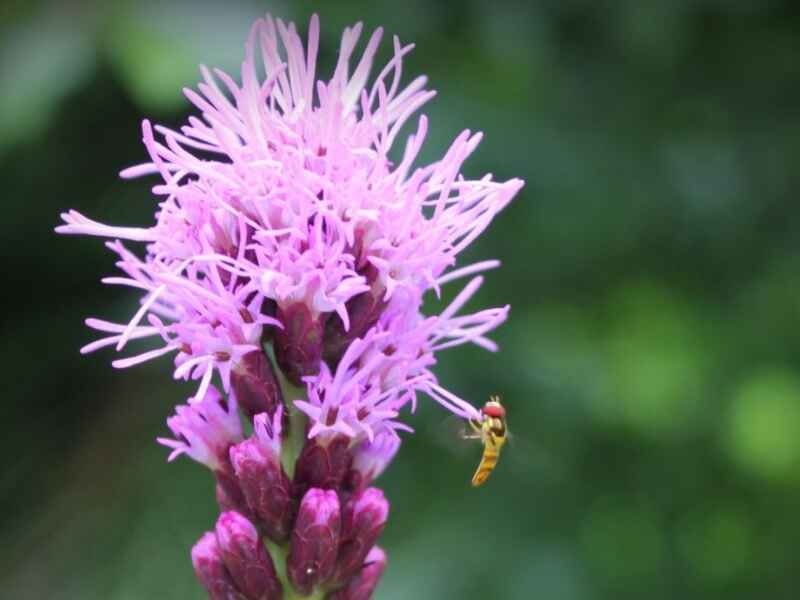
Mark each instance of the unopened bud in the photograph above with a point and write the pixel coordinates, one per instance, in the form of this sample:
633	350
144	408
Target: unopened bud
210	569
363	310
255	385
261	477
246	558
298	346
363	584
363	519
315	540
370	459
229	493
323	463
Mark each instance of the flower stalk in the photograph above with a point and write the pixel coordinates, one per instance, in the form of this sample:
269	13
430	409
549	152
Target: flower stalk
296	428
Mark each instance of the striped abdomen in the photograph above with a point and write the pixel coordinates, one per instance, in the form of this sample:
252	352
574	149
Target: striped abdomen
486	466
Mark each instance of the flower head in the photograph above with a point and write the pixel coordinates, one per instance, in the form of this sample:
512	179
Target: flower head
288	247
205	430
281	194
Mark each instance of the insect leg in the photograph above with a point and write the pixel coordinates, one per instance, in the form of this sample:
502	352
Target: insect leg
477	432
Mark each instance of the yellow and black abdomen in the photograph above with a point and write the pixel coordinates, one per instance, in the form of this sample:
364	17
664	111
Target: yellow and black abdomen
492	430
486	466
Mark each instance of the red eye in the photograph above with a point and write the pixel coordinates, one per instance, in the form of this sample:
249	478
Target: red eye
494	410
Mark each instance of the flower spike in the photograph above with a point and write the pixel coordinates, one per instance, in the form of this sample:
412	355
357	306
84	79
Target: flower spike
285	272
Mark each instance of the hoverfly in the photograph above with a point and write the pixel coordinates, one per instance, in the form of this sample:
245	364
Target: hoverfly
492	432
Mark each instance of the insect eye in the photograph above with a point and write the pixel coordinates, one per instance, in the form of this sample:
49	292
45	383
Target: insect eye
493	409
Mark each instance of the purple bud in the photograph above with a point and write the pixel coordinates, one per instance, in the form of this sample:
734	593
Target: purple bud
246	559
261	477
255	384
315	540
362	585
229	493
211	571
323	463
298	346
370	459
363	519
363	310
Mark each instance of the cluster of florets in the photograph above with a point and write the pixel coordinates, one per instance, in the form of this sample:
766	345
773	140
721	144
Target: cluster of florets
326	515
286	271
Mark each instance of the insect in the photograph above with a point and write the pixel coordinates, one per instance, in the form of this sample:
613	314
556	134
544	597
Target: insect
492	431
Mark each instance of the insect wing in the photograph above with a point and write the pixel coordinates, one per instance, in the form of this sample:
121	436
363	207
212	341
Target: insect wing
455	436
527	459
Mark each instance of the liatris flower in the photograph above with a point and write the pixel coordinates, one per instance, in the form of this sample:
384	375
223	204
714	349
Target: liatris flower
286	270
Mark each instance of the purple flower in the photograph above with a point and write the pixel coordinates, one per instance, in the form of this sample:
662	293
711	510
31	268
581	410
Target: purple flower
205	430
287	248
381	373
282	192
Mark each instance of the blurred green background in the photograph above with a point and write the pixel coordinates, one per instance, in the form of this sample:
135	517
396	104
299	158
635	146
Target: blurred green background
651	365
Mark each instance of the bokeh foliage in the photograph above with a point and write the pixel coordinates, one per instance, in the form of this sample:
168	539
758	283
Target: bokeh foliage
651	365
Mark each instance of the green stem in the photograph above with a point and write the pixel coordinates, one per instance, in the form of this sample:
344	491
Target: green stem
295	435
293	439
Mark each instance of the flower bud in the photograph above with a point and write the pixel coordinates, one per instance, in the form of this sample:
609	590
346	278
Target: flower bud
210	569
364	310
362	585
255	385
246	559
323	463
261	477
229	493
363	519
371	458
298	346
315	540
